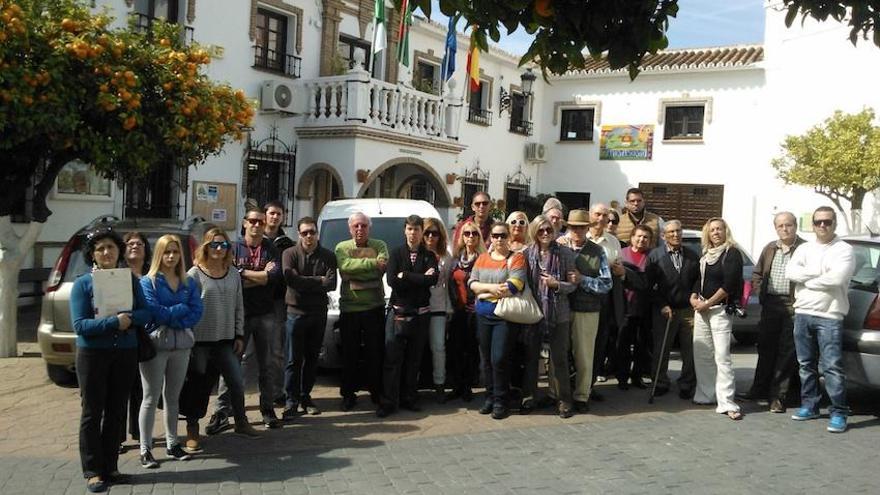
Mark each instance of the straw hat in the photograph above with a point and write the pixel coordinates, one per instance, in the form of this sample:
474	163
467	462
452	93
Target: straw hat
578	217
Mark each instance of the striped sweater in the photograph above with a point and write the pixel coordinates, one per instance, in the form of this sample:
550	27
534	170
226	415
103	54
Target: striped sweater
490	271
223	306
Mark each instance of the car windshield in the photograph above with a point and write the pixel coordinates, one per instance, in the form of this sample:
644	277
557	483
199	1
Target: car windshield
389	229
867	258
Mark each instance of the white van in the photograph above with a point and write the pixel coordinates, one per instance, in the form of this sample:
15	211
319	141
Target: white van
387	216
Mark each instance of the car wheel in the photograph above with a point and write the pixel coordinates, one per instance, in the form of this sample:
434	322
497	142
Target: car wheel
61	376
746	338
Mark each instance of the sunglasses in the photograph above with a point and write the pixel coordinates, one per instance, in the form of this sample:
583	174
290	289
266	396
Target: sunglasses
545	231
309	232
254	221
468	233
432	233
219	244
500	235
823	222
518	221
481	203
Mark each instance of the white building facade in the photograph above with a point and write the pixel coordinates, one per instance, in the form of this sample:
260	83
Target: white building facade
329	127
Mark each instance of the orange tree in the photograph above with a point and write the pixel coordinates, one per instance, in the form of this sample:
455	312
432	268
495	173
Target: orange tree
124	101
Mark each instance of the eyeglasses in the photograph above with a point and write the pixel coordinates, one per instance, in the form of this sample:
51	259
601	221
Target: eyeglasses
481	203
309	232
360	226
134	244
823	222
545	231
517	221
219	244
254	221
469	233
500	235
432	233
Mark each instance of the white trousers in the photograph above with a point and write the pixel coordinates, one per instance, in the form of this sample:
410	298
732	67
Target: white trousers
712	361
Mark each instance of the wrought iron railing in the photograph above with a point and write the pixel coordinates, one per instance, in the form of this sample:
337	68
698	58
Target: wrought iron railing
479	116
282	63
523	127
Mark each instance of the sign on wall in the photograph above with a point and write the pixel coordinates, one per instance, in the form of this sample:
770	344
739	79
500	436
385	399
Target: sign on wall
626	142
216	202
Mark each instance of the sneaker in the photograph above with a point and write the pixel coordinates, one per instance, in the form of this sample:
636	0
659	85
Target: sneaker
96	484
290	413
218	422
499	411
246	430
176	452
309	407
148	461
837	423
776	406
270	419
804	414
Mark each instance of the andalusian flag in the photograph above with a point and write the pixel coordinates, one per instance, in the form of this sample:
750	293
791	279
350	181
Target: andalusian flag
379	35
403	34
473	64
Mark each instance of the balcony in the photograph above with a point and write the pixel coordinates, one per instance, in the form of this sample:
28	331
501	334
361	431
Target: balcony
479	116
279	63
144	25
523	127
355	104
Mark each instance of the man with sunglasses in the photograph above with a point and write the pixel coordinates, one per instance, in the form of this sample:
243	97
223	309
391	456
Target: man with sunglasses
309	274
361	261
821	270
259	266
481	203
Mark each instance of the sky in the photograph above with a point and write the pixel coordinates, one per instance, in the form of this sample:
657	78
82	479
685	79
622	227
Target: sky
700	23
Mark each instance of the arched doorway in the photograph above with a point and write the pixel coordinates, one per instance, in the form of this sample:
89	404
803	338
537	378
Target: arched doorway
319	184
409	179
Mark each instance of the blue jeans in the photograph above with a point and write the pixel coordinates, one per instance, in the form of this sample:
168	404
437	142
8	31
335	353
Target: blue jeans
305	334
819	345
497	339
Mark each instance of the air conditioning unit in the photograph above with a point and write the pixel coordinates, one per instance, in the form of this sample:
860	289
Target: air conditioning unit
535	152
277	96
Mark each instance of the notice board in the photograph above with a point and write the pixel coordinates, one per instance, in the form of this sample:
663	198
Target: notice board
216	201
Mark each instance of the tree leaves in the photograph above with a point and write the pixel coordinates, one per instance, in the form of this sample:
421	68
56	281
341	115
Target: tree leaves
863	16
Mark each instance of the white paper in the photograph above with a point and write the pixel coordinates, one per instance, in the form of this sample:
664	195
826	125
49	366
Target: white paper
112	292
218	215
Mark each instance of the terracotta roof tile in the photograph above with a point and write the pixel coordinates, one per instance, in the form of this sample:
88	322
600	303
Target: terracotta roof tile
684	59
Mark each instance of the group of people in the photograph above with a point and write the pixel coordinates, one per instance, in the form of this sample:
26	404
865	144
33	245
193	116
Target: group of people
611	299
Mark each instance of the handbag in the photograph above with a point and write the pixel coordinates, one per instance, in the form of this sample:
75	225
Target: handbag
520	308
168	339
146	349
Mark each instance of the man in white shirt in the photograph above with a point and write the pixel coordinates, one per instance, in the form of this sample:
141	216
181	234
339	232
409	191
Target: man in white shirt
821	270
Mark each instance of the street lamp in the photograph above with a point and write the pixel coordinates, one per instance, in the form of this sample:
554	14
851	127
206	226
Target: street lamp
528	79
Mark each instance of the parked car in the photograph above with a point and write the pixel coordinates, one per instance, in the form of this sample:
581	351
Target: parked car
861	327
745	330
387	216
55	332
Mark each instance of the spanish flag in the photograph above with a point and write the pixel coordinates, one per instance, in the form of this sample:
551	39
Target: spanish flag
473	65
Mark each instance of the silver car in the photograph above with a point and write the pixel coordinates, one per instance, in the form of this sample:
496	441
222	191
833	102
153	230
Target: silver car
861	327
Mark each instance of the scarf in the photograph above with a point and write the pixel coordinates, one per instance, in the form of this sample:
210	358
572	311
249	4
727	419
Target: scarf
545	297
710	257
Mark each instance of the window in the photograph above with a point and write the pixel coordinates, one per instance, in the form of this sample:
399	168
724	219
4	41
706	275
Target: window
478	112
684	122
518	122
348	46
146	11
271	44
427	77
156	194
263	180
577	124
79	180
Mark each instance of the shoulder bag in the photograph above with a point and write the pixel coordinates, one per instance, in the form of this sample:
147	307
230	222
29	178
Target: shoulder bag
520	308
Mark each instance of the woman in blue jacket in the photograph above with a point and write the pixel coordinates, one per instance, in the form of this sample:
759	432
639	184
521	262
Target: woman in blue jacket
176	306
106	362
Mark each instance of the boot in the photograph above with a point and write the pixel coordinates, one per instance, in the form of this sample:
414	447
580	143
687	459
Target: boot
192	438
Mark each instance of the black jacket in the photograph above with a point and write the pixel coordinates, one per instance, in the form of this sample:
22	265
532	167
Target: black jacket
670	287
281	242
411	291
308	277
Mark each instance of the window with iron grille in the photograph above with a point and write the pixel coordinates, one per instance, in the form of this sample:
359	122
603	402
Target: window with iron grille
478	112
518	122
683	122
577	124
271	41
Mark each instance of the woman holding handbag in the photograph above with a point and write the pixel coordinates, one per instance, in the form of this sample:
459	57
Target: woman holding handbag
176	306
106	362
497	274
549	264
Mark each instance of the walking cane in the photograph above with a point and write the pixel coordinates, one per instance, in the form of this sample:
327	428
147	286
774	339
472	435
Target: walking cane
660	360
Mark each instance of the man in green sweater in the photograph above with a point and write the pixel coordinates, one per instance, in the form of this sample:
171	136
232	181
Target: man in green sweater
361	263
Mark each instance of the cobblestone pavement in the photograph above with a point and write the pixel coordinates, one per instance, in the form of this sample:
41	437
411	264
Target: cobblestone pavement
623	445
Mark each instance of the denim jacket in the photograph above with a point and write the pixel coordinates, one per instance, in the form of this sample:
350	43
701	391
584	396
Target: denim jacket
177	309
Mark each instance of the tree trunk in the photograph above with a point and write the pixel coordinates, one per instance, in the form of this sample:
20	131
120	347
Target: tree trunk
858	196
13	250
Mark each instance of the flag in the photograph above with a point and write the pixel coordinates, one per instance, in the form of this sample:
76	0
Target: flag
403	34
473	65
448	67
379	35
